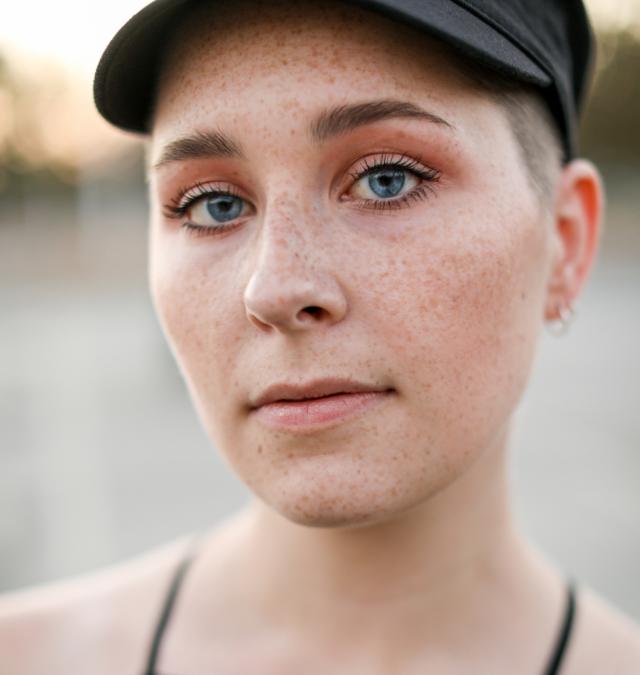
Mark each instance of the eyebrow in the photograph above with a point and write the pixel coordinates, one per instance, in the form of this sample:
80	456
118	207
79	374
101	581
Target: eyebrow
202	144
329	123
345	118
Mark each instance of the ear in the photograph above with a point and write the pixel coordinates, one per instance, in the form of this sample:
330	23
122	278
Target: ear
577	221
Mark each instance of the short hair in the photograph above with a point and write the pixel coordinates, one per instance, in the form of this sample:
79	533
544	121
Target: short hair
530	120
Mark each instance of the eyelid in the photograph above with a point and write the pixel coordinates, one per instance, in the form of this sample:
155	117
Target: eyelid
372	163
400	160
189	195
375	161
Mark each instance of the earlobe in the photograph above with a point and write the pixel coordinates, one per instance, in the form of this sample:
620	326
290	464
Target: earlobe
577	222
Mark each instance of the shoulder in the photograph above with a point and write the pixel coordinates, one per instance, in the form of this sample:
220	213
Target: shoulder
100	623
604	641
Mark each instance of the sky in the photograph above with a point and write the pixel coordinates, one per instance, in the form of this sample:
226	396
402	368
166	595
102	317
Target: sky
75	32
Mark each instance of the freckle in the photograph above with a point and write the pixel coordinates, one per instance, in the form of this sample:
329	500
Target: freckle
259	449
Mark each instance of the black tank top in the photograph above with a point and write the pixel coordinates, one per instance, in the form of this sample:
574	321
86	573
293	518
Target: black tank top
553	665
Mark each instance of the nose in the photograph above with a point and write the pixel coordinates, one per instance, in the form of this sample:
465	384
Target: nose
292	286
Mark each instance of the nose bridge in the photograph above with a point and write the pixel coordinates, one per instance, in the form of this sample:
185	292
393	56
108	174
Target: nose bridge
291	243
293	284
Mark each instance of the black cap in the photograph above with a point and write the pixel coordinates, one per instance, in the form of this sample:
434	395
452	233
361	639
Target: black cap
547	43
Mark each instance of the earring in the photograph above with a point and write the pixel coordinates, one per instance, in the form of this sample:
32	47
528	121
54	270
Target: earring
561	324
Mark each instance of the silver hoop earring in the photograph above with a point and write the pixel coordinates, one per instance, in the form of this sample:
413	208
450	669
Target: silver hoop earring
560	325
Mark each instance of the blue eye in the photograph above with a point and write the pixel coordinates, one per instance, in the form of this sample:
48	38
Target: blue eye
207	209
387	183
222	208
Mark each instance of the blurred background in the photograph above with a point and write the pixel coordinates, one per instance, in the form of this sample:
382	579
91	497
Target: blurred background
101	455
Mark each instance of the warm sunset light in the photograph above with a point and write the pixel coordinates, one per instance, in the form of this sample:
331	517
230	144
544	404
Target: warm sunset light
70	31
76	31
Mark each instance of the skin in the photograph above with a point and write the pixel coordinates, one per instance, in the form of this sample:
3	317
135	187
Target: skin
456	283
383	543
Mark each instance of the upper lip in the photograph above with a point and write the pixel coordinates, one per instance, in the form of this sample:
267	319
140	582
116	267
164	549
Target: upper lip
314	389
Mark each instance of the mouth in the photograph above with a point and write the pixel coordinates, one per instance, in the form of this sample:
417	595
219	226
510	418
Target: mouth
315	404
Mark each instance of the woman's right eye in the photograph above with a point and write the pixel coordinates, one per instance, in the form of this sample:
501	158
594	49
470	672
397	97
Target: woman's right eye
216	209
206	210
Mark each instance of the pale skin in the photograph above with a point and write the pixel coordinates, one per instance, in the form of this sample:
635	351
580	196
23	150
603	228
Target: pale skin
381	543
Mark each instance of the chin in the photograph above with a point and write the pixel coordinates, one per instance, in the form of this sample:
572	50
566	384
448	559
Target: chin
354	476
337	499
318	516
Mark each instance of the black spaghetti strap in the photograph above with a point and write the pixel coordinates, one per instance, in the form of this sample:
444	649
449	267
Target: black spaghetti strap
167	608
553	667
557	656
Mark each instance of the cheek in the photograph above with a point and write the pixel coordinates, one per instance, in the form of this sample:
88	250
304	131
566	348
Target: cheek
194	310
466	325
451	318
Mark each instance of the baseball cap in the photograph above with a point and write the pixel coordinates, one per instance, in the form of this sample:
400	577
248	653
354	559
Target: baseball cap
546	43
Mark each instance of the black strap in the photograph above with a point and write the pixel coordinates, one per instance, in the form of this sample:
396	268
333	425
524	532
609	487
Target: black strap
167	608
553	667
557	656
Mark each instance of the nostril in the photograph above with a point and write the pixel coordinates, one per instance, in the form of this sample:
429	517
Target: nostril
313	311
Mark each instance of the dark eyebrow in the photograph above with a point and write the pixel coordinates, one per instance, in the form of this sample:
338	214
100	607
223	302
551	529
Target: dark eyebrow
344	118
331	122
202	144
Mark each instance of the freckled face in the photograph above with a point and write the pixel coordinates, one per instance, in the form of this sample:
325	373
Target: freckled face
403	253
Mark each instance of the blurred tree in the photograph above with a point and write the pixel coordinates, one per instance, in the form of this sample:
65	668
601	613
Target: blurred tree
49	131
25	154
611	126
51	137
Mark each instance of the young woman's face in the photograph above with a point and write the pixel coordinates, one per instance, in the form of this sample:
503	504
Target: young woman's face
343	207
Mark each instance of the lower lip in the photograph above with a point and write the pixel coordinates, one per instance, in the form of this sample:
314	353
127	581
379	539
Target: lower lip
316	412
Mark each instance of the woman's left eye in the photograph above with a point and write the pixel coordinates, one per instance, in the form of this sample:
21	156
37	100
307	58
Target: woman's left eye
390	182
385	183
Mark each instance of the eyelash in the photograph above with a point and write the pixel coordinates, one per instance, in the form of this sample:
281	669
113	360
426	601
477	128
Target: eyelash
179	206
419	193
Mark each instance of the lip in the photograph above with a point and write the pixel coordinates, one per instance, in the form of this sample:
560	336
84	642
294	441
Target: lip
317	403
315	389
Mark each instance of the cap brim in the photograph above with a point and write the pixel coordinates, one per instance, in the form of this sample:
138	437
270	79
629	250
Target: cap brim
124	84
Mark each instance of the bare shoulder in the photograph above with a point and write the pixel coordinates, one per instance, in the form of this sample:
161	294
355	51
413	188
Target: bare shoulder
605	639
100	623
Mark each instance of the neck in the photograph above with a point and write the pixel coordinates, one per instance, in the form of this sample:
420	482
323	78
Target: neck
443	568
446	545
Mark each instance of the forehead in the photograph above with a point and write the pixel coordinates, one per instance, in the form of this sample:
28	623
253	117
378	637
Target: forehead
273	31
298	51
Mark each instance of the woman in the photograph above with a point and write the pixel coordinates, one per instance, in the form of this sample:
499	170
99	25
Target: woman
361	219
